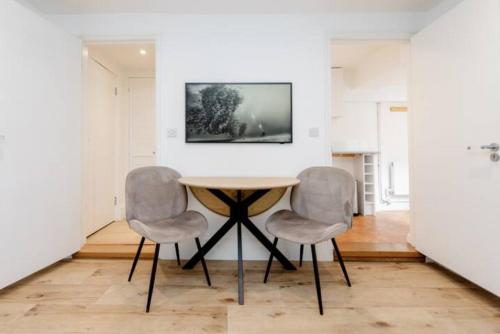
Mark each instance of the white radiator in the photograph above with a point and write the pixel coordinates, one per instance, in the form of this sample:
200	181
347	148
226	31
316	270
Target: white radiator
398	180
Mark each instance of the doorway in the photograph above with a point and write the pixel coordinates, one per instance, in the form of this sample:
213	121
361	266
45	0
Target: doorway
370	140
119	135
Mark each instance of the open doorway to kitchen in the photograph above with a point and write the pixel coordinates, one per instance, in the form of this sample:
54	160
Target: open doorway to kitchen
370	140
119	135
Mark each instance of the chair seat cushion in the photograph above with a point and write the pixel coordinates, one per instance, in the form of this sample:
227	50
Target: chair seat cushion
289	225
187	225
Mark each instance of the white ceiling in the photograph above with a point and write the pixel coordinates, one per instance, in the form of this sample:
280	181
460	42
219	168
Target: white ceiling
228	6
126	55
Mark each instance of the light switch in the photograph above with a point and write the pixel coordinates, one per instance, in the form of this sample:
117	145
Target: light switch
313	132
172	133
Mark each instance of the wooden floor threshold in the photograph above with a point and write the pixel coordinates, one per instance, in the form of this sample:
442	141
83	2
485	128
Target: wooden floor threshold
380	252
350	251
103	251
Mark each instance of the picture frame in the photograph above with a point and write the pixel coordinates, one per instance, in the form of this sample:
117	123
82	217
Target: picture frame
239	112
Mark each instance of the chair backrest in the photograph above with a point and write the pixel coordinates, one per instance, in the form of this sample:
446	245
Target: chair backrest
324	194
153	193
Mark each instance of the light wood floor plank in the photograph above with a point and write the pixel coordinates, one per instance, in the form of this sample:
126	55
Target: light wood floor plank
93	296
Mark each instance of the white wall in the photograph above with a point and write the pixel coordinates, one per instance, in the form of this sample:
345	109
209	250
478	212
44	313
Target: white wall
381	76
356	129
242	48
279	50
40	169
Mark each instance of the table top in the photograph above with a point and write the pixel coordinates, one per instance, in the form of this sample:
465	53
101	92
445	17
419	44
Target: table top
239	183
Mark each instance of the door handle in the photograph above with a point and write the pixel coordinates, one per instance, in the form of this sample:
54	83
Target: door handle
493	147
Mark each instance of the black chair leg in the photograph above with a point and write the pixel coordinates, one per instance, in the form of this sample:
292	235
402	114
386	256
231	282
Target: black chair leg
341	261
316	278
203	263
136	258
275	242
153	275
177	254
301	254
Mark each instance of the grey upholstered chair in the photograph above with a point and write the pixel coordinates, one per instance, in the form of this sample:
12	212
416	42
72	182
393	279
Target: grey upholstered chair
156	209
321	209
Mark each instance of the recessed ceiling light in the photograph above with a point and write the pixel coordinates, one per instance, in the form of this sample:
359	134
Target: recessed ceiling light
142	52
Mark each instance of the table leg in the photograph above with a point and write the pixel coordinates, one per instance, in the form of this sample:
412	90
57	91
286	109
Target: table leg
266	243
210	244
239	216
240	268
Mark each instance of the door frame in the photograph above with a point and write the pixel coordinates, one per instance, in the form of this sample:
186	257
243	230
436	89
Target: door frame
98	39
374	37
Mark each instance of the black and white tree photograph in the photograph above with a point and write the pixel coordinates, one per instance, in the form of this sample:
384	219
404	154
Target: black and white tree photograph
239	112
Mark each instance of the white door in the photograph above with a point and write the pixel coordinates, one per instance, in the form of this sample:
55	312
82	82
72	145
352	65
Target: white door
142	122
101	128
40	159
456	105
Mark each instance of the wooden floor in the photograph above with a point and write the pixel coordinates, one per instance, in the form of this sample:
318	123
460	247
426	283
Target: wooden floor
117	241
379	237
93	296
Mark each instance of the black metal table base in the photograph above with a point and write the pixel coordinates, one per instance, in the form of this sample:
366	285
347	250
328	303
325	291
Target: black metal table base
239	216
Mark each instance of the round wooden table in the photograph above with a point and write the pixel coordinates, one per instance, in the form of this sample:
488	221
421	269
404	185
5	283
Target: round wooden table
239	194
